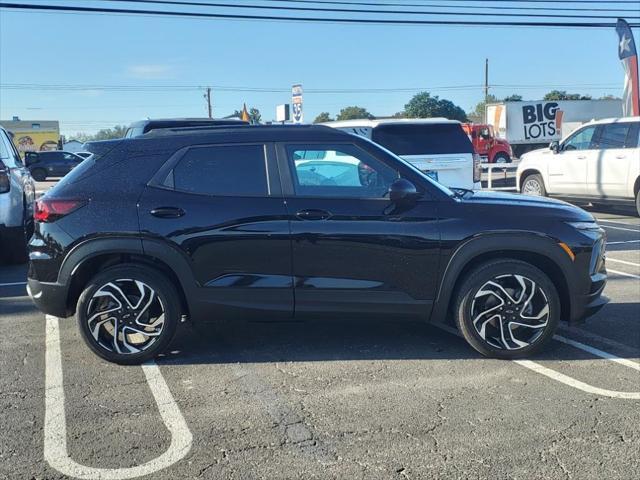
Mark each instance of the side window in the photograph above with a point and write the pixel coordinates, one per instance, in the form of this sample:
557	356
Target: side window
338	171
8	153
581	140
614	135
70	157
234	170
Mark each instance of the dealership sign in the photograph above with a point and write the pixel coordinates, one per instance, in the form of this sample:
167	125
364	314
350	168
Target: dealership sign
296	104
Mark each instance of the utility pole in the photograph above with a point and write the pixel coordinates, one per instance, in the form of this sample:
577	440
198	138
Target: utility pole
207	96
486	87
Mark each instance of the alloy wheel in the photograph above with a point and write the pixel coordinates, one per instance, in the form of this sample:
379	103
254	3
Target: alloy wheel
125	316
532	187
510	312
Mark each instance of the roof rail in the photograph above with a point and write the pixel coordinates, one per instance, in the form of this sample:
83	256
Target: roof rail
239	127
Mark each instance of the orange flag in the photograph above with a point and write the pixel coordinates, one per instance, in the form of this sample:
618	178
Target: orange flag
245	113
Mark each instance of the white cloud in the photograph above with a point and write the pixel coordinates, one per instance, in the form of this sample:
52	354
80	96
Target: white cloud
149	71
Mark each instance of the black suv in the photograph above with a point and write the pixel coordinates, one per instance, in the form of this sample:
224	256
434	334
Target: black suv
282	222
56	163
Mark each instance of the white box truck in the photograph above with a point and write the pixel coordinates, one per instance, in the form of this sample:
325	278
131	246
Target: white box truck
531	125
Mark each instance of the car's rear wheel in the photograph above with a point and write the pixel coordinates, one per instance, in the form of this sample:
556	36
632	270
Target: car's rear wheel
533	185
128	314
638	202
39	175
502	158
507	309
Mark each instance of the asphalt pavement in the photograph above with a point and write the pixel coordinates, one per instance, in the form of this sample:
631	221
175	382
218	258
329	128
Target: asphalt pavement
326	399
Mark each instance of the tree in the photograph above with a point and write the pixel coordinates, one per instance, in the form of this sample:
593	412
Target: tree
255	117
609	97
423	105
513	98
323	117
354	113
106	134
477	115
555	95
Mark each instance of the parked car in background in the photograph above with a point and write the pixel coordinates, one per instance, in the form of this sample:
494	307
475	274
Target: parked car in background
487	145
144	126
288	222
597	163
436	146
56	163
17	196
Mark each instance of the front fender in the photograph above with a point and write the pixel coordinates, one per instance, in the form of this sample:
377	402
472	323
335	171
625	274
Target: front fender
490	245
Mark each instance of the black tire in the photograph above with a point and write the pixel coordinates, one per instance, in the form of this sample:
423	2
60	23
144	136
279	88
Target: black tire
638	203
487	335
13	243
122	276
39	175
529	182
502	158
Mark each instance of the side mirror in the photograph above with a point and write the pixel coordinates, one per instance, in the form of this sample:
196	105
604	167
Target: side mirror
554	146
402	191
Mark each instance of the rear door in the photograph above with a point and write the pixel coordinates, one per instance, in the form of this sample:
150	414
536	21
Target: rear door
221	208
567	169
442	150
608	170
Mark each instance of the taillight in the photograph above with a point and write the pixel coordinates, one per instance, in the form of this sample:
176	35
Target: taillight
5	182
477	168
51	209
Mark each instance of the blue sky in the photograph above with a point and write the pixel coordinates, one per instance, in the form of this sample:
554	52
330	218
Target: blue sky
78	49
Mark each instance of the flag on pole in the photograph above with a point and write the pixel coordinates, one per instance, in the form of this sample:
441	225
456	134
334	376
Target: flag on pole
629	57
245	113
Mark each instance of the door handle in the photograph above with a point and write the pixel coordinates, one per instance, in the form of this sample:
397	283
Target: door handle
620	157
167	212
313	214
581	157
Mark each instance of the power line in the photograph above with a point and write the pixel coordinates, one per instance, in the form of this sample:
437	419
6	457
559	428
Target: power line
470	7
75	9
192	3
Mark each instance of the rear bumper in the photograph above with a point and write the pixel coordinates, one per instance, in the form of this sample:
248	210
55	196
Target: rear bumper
50	298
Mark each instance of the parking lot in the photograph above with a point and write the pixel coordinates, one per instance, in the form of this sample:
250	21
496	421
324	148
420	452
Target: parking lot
339	399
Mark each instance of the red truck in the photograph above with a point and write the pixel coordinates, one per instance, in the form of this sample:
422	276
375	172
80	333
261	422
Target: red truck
486	144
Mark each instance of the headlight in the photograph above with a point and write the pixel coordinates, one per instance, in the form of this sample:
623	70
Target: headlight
589	226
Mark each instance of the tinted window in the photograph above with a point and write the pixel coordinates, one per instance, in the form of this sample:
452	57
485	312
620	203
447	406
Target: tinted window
614	135
423	139
236	170
339	171
581	140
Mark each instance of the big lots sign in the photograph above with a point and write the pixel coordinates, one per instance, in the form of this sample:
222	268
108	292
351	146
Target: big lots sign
539	120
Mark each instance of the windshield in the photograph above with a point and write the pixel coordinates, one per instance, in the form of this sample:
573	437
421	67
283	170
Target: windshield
423	138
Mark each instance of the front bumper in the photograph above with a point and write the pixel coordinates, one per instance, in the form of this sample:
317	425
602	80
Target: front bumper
50	298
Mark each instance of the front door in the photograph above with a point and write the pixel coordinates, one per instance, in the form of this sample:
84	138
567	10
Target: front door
221	207
353	250
568	168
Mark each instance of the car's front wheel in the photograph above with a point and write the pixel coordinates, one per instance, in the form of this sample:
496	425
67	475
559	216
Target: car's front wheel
128	314
507	309
533	185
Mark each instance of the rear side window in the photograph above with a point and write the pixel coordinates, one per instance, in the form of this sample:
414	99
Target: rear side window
615	135
233	170
423	139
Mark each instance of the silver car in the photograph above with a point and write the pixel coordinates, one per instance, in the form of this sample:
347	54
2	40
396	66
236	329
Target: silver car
17	197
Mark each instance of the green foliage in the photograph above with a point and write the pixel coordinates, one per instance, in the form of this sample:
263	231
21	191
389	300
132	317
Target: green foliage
323	117
354	113
255	117
513	98
555	95
423	105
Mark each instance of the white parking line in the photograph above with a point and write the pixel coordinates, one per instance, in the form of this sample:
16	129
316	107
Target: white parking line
55	425
624	274
601	220
623	241
609	259
572	382
621	228
12	284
